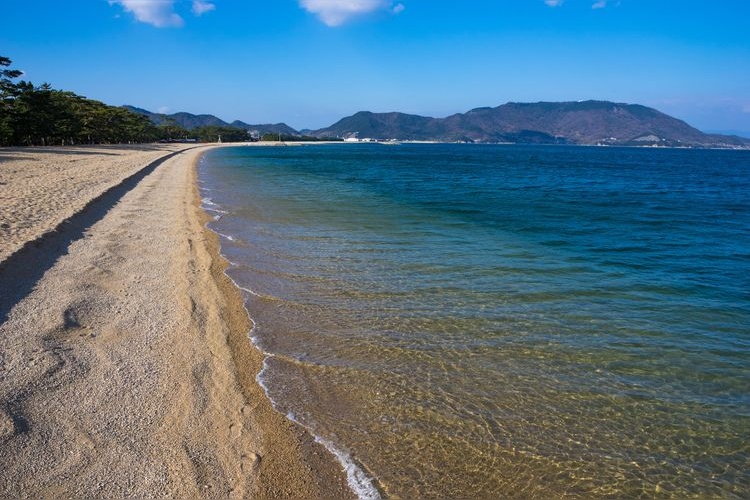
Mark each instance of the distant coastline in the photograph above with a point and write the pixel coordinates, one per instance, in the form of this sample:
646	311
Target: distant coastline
295	143
39	115
601	123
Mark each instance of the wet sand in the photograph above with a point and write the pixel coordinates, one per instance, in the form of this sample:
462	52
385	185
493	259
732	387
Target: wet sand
125	367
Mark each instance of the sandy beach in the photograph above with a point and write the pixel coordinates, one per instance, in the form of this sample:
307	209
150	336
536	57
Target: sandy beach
125	367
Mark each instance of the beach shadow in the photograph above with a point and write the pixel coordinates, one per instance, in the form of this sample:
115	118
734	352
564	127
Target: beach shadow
75	152
8	158
80	149
66	150
20	272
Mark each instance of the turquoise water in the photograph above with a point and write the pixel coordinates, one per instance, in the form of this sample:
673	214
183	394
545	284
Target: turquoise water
475	320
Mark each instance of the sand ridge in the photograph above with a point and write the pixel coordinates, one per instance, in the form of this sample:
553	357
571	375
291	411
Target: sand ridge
125	368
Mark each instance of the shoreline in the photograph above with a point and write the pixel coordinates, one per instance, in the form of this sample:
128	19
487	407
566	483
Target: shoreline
359	481
249	363
125	364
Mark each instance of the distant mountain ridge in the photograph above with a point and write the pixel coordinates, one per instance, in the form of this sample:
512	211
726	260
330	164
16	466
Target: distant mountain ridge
190	121
582	122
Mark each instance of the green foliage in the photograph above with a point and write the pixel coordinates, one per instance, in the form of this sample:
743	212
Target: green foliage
212	133
6	75
40	115
7	88
170	131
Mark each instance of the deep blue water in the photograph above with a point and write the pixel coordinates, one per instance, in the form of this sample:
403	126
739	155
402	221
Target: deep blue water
501	320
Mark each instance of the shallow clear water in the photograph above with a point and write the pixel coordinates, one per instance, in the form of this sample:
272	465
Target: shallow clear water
468	320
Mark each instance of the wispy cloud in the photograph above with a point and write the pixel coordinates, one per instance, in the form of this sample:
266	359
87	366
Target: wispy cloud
337	12
554	3
159	13
599	5
200	7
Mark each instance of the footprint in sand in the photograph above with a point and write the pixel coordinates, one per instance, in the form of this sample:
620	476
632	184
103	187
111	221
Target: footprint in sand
250	461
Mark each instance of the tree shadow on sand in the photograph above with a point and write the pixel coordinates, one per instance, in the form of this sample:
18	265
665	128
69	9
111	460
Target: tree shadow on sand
20	272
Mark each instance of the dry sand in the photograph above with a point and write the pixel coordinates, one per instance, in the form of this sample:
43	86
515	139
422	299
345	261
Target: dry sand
125	368
41	187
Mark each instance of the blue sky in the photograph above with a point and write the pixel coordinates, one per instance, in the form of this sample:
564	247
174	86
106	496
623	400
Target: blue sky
310	62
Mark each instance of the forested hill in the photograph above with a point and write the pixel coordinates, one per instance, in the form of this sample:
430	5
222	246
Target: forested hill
190	121
586	122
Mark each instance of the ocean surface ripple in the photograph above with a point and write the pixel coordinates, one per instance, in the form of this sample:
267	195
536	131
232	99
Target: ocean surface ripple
476	320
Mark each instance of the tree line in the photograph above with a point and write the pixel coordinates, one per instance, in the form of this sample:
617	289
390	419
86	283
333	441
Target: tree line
32	115
38	115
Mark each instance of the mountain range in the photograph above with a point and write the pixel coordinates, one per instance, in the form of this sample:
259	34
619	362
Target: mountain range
582	122
190	121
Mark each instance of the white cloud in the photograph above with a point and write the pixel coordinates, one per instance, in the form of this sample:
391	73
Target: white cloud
159	13
553	3
337	12
599	5
163	109
200	7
